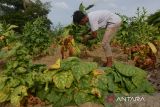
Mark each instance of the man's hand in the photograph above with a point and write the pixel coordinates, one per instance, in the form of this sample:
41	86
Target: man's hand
94	34
86	38
89	37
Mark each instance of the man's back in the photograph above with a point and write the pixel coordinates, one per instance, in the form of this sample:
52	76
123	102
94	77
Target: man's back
100	18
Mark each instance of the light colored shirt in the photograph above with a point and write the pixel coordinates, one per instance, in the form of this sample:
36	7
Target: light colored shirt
100	19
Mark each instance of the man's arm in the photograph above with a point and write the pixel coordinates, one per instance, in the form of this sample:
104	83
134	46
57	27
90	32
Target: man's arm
92	36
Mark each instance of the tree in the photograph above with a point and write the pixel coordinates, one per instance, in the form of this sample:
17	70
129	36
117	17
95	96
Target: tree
154	19
18	12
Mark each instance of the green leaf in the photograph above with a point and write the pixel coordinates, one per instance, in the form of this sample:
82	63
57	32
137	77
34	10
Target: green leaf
69	79
82	8
29	79
63	80
64	100
148	87
53	96
128	84
42	94
82	97
143	85
124	32
100	82
65	32
128	70
82	69
68	63
46	76
15	64
11	27
112	86
107	70
137	80
3	79
20	70
117	78
85	82
13	82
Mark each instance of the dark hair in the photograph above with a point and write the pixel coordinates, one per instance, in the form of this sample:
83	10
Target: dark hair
78	16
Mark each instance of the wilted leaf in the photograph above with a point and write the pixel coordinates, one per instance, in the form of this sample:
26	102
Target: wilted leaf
96	92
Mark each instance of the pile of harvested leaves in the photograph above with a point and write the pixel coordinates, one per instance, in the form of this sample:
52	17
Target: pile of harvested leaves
73	81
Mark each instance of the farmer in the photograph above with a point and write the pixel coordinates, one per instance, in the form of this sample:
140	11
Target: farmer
100	19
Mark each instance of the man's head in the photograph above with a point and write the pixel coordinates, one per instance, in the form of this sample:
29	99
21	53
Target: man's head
80	18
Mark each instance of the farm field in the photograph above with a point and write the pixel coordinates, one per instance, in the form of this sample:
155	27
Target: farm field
42	66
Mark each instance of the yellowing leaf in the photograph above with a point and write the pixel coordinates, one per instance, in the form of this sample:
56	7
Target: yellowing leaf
15	101
96	92
2	37
98	72
153	48
4	94
63	80
57	65
76	51
17	95
73	42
